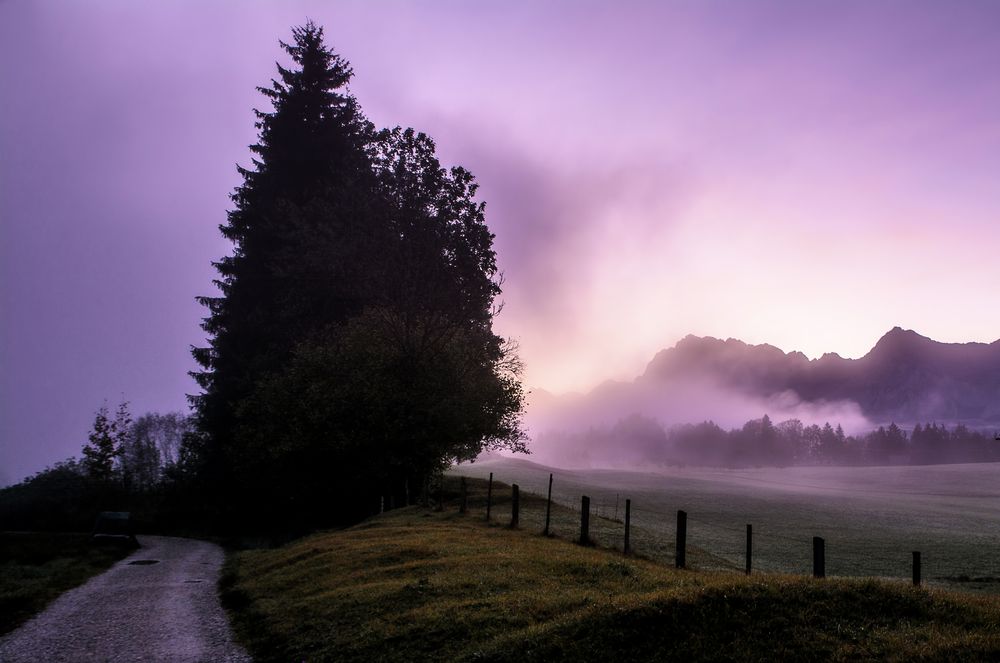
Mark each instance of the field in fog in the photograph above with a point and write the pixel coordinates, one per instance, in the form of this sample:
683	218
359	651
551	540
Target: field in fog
871	517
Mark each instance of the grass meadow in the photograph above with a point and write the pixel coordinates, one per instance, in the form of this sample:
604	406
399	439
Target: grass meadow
871	517
422	585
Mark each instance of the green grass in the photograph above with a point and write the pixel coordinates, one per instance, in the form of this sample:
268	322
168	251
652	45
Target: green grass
36	567
871	517
419	585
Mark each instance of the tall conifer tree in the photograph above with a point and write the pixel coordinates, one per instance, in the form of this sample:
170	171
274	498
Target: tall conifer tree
303	196
351	349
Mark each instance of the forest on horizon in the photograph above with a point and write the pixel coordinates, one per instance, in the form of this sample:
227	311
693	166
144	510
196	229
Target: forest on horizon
641	441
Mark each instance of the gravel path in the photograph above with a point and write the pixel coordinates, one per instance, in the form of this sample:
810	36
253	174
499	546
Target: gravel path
167	611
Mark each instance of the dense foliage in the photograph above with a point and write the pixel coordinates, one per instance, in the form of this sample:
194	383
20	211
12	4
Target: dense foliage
351	353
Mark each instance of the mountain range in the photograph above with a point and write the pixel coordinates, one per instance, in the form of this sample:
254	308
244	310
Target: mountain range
905	377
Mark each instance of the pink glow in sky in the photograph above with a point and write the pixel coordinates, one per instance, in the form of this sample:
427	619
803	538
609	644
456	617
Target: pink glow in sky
807	174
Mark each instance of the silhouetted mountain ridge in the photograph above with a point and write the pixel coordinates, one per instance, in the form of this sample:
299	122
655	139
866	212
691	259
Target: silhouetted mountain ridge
905	377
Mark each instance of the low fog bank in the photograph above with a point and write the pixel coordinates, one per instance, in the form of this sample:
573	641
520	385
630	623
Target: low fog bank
679	402
646	425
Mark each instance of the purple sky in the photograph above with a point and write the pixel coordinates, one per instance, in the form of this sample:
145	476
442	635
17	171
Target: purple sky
807	174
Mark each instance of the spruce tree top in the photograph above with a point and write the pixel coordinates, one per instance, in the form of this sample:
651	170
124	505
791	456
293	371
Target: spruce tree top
315	130
299	204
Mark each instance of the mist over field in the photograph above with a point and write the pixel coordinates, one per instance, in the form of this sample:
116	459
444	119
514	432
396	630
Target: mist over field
680	402
910	400
559	427
870	517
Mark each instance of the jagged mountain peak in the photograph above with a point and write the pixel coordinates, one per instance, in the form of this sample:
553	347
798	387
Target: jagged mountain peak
905	376
897	337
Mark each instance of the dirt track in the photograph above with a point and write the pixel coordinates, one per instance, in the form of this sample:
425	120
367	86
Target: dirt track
166	611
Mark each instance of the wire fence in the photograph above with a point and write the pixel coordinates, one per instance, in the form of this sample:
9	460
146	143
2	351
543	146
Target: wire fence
718	541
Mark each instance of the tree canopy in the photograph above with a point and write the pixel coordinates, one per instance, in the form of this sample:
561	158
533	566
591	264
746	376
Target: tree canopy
351	352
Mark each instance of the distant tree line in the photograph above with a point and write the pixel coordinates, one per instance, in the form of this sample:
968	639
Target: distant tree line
638	439
139	465
138	454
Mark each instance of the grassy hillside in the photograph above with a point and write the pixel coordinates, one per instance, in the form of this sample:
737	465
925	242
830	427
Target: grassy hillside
419	585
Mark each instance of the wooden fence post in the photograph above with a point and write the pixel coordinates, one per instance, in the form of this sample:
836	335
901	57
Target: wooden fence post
628	522
489	497
749	548
515	505
548	507
465	497
584	520
680	558
819	557
916	568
